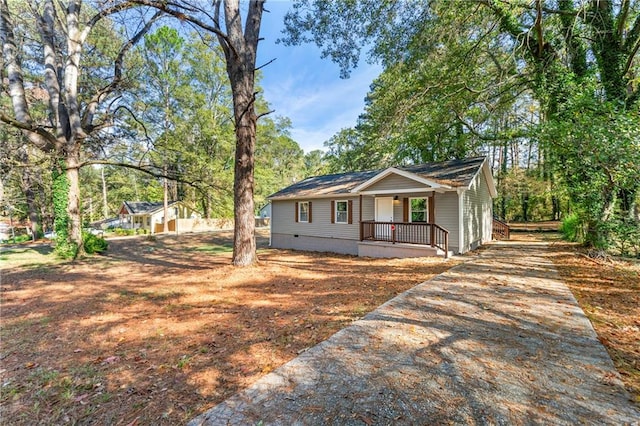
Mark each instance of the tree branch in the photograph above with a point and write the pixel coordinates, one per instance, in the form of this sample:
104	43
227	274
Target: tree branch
266	64
117	74
622	17
164	6
481	136
36	134
265	113
46	141
149	169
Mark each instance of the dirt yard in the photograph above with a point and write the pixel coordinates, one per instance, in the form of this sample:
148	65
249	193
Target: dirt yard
156	332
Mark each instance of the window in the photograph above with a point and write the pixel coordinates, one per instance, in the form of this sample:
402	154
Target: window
342	209
419	210
303	211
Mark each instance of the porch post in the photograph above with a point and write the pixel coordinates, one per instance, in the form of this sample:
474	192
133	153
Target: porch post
360	216
432	208
432	218
432	232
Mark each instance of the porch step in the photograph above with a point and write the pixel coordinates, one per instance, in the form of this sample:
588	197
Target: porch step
399	250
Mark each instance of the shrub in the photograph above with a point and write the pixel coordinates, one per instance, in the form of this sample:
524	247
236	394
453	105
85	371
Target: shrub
626	234
94	244
571	228
17	239
123	232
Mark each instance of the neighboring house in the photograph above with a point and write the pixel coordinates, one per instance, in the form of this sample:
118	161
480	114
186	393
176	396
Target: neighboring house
422	210
150	215
265	211
112	222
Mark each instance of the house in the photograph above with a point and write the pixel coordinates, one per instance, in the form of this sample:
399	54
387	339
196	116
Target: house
422	210
265	211
150	215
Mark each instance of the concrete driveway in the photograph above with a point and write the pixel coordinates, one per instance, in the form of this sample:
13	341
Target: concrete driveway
496	340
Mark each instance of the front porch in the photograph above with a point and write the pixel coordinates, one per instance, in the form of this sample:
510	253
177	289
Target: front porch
402	239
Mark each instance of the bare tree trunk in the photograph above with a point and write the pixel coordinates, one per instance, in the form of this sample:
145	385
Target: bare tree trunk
72	163
244	247
165	199
240	52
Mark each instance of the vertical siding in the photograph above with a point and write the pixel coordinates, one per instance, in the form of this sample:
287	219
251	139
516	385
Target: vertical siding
283	219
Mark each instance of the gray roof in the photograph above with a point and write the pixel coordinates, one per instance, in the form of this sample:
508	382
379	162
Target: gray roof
144	207
453	173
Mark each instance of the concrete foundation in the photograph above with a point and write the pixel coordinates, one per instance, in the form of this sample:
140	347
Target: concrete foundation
400	250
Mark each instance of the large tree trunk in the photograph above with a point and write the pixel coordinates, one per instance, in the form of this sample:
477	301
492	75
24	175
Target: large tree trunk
240	52
72	163
244	246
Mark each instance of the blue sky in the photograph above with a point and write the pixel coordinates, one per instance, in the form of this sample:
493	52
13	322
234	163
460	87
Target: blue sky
307	89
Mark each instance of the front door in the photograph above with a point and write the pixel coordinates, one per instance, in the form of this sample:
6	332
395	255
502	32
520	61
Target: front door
384	209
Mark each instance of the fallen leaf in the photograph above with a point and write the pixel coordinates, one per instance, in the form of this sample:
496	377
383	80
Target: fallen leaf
365	419
134	422
81	397
111	359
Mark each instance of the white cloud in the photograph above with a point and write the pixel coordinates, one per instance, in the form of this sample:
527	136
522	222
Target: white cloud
319	109
307	89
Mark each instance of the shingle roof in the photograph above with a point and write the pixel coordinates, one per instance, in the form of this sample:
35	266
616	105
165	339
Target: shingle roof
454	173
144	207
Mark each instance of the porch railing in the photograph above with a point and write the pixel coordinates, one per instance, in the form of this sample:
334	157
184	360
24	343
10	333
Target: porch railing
428	234
501	230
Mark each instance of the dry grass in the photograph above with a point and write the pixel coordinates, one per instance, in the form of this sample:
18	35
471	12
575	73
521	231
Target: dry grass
158	331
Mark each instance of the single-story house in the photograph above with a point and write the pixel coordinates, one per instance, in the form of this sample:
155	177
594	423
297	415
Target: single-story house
421	210
150	215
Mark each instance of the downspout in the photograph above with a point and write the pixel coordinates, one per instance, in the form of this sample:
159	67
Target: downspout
270	220
460	220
